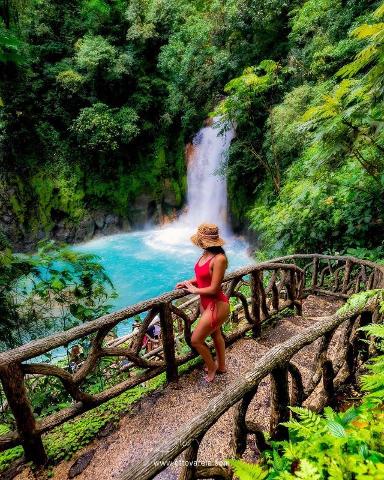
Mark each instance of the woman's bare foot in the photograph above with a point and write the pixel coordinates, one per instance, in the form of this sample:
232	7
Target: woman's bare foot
219	371
210	375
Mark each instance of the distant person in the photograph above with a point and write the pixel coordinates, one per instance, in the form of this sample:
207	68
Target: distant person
157	331
214	304
145	344
76	357
153	334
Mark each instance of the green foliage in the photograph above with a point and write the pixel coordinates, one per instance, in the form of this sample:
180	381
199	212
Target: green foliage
329	446
70	80
246	471
122	86
247	93
358	300
102	128
320	211
10	45
317	34
9	456
306	165
94	52
192	64
373	382
54	287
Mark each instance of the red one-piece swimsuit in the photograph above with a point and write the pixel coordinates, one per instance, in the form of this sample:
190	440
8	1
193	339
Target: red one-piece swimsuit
203	279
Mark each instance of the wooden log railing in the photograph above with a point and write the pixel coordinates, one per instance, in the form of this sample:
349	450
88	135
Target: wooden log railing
276	363
338	276
261	291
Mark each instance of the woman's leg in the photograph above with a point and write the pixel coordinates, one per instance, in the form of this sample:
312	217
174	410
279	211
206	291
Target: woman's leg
219	343
201	332
217	337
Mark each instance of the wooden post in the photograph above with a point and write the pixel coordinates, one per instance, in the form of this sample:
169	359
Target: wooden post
351	358
292	292
275	297
298	292
263	297
291	286
255	303
188	471
240	431
12	379
297	394
279	403
347	276
315	270
168	340
328	376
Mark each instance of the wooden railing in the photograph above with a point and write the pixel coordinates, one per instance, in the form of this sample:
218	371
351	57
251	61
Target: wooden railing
261	291
276	363
339	276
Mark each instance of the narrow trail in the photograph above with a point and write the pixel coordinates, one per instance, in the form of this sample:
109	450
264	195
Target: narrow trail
162	413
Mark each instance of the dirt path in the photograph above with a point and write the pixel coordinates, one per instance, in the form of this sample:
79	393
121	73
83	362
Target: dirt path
161	414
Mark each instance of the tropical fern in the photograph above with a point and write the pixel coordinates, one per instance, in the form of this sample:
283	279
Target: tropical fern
279	463
372	382
371	55
332	104
349	415
379	12
309	424
343	418
248	471
335	472
307	417
292	451
359	300
308	471
375	329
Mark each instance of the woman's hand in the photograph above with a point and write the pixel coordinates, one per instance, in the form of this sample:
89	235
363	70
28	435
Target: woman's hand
184	283
190	287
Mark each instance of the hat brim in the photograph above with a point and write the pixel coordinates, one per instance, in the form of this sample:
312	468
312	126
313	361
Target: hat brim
205	243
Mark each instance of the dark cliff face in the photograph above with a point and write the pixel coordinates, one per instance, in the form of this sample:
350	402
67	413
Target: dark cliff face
23	228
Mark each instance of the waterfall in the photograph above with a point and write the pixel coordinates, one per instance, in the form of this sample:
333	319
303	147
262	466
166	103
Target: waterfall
207	185
206	192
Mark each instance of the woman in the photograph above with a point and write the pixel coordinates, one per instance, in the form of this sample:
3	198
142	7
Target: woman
214	305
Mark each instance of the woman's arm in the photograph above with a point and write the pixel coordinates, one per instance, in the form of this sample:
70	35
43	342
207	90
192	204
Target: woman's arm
219	266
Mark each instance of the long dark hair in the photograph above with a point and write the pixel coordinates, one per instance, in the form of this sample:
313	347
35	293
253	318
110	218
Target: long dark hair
216	250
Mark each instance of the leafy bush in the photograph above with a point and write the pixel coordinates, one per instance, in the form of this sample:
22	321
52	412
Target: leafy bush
94	52
102	128
33	285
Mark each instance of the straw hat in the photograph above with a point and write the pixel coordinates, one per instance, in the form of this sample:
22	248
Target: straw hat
207	236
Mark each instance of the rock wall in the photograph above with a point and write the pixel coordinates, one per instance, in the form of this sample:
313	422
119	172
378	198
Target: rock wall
145	209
